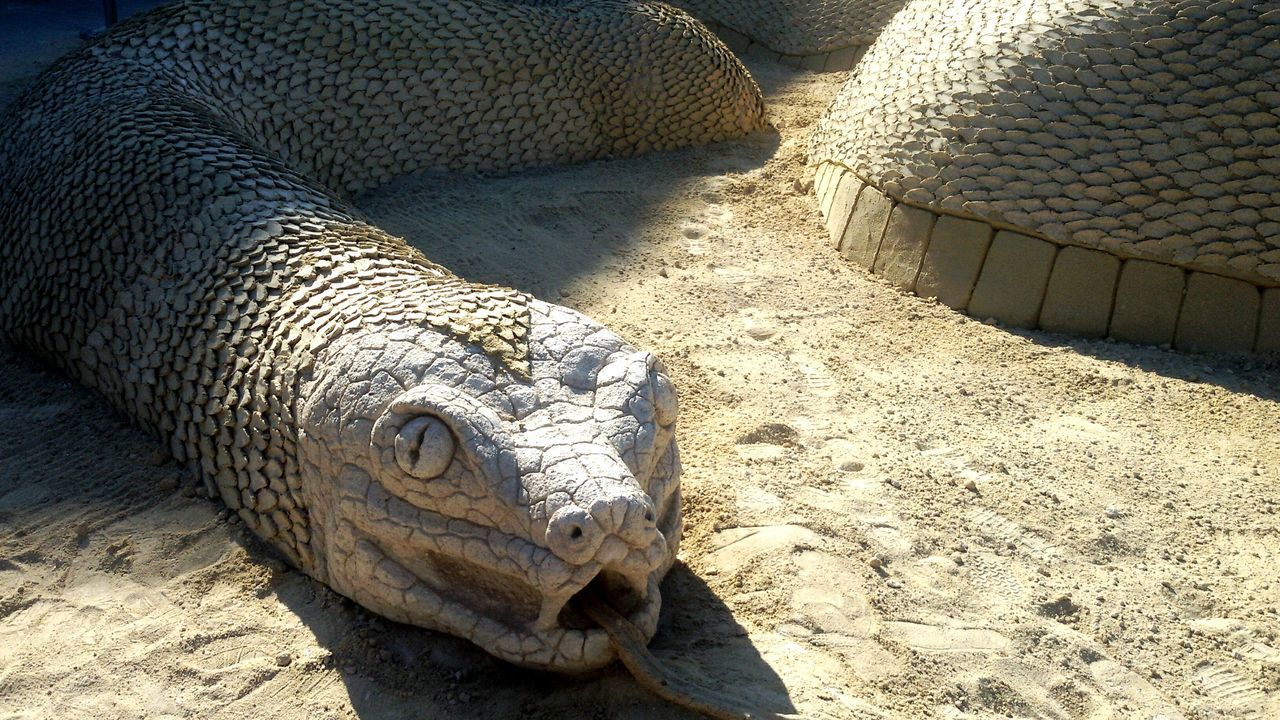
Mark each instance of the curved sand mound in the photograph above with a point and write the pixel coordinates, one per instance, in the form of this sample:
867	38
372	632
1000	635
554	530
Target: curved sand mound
1097	168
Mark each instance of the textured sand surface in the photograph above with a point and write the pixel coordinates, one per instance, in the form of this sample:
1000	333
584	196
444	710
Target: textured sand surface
892	510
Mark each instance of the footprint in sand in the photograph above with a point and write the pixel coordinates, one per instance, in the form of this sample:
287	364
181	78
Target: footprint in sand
1125	687
734	548
694	234
992	579
759	325
1013	685
995	677
706	223
824	592
817	378
829	595
815	427
734	274
994	525
213	655
318	688
1108	683
713	189
717	216
1248	644
1254	649
1234	695
927	638
850	707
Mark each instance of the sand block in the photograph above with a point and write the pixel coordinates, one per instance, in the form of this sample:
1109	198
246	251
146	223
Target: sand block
1148	297
846	192
736	41
957	248
824	185
760	52
814	62
1081	288
1013	280
844	58
906	238
861	239
1269	321
1218	315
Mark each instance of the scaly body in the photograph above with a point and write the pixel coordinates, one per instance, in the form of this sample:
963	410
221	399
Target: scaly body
463	457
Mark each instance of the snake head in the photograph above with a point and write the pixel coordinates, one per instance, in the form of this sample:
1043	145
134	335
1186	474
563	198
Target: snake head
446	491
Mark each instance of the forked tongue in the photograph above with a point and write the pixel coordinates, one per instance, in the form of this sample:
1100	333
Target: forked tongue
633	650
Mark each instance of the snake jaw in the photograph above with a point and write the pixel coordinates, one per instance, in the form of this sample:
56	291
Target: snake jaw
629	594
525	613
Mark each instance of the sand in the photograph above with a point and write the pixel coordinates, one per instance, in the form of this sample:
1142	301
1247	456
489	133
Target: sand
892	510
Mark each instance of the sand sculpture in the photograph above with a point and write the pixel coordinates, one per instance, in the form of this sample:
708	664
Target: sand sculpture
1099	168
452	455
467	458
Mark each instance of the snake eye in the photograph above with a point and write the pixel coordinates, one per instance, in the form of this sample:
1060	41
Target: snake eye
665	404
424	447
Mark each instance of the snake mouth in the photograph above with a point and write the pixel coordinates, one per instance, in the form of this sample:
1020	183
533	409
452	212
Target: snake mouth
612	588
513	620
514	599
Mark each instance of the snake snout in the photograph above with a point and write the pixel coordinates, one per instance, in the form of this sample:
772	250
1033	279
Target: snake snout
606	532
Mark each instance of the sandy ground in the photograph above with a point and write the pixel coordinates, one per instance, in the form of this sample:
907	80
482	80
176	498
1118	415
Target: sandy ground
893	510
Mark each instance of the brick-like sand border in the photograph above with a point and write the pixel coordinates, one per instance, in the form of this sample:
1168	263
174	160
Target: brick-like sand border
1029	281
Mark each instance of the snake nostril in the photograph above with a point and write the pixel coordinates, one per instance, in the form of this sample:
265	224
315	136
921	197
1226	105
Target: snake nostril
648	516
573	534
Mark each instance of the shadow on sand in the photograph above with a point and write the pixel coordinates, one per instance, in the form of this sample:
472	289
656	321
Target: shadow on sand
1257	375
544	230
398	671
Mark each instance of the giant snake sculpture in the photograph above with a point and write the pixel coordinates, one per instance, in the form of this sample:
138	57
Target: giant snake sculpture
466	458
447	454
